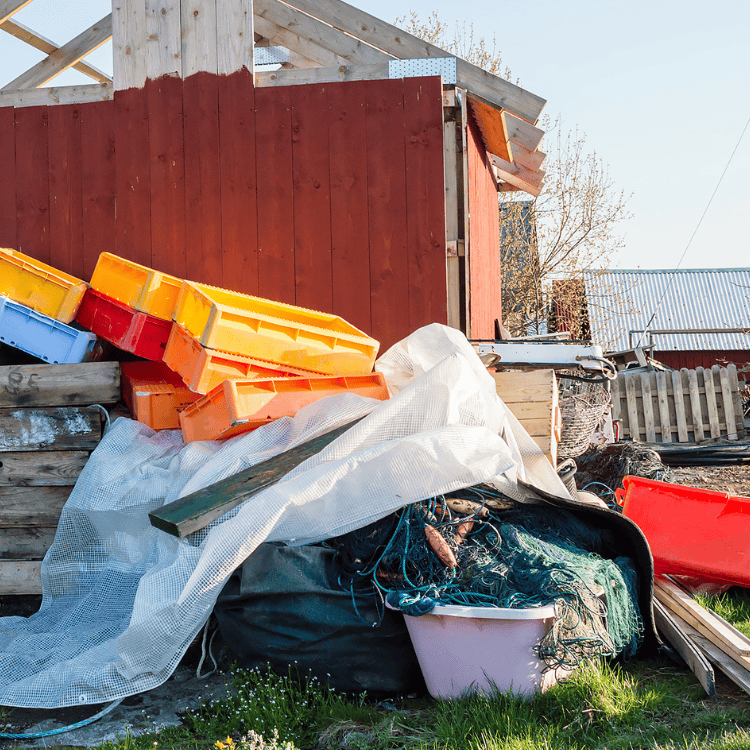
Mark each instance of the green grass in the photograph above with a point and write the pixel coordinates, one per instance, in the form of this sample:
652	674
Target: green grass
644	704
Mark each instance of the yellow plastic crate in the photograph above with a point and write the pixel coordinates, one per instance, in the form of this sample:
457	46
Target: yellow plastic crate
136	286
42	288
274	332
203	369
238	406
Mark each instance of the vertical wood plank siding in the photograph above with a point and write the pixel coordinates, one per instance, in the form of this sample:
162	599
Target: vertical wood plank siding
484	246
325	196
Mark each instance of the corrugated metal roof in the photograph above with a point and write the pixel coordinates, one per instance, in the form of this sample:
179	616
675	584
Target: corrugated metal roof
621	304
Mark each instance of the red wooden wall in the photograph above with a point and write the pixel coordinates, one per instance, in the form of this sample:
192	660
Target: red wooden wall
705	358
484	239
325	196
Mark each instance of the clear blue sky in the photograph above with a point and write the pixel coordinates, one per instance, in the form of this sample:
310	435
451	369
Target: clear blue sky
661	88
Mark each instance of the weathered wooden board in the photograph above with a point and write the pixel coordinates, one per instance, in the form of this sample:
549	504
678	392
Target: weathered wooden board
39	469
25	542
193	512
54	429
59	385
20	577
679	406
31	506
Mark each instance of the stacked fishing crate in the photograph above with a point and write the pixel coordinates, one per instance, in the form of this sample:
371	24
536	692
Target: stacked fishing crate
51	415
220	363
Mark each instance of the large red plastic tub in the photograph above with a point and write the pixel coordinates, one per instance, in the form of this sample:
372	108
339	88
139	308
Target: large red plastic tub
691	531
126	328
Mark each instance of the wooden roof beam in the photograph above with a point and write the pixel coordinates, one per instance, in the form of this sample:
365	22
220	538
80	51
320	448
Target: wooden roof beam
402	45
90	92
25	34
334	74
518	176
9	7
329	37
64	57
522	132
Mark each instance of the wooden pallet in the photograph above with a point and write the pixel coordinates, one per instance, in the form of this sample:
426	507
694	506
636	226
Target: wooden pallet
48	428
685	406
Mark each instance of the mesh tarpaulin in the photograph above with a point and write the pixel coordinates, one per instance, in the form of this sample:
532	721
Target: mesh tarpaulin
122	600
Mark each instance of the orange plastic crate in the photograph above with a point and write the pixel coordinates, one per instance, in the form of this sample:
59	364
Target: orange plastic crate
136	286
238	406
42	288
154	394
203	369
274	332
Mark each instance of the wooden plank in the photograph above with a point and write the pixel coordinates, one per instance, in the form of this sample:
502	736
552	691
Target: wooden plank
163	39
663	401
333	74
490	122
321	34
350	251
25	543
681	642
713	412
726	396
386	207
65	198
129	43
275	202
737	400
202	177
425	201
738	674
633	426
526	157
59	385
50	468
452	168
46	429
312	198
98	182
25	34
65	57
679	404
530	179
532	409
199	37
402	45
648	407
8	219
132	170
616	395
705	621
9	7
20	577
55	95
32	182
32	507
277	34
239	218
695	404
235	39
166	148
195	511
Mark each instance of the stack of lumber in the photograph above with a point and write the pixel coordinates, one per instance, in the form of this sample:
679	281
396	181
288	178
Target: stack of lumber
49	425
532	397
701	636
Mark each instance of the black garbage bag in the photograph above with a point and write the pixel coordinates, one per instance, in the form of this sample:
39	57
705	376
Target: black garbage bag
285	605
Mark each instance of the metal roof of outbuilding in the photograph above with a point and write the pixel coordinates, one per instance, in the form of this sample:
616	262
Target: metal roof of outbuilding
621	305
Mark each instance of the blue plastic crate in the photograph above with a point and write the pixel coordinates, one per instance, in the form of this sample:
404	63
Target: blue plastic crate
44	337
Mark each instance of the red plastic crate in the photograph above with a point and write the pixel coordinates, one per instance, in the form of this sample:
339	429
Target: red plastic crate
691	532
154	394
130	330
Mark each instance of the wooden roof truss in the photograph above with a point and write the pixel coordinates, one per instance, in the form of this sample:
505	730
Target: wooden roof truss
326	40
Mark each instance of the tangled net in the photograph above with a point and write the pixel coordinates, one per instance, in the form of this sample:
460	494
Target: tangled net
503	555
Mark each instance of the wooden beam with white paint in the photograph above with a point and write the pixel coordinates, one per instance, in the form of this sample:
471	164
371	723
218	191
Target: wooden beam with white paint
235	37
9	7
37	41
352	49
404	46
64	57
52	95
163	38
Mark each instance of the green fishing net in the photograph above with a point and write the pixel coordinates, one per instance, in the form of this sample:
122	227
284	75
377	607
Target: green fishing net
509	555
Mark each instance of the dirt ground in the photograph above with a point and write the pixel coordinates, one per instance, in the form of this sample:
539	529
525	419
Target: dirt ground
734	480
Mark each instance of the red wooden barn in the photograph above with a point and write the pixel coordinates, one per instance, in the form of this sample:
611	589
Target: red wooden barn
359	178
